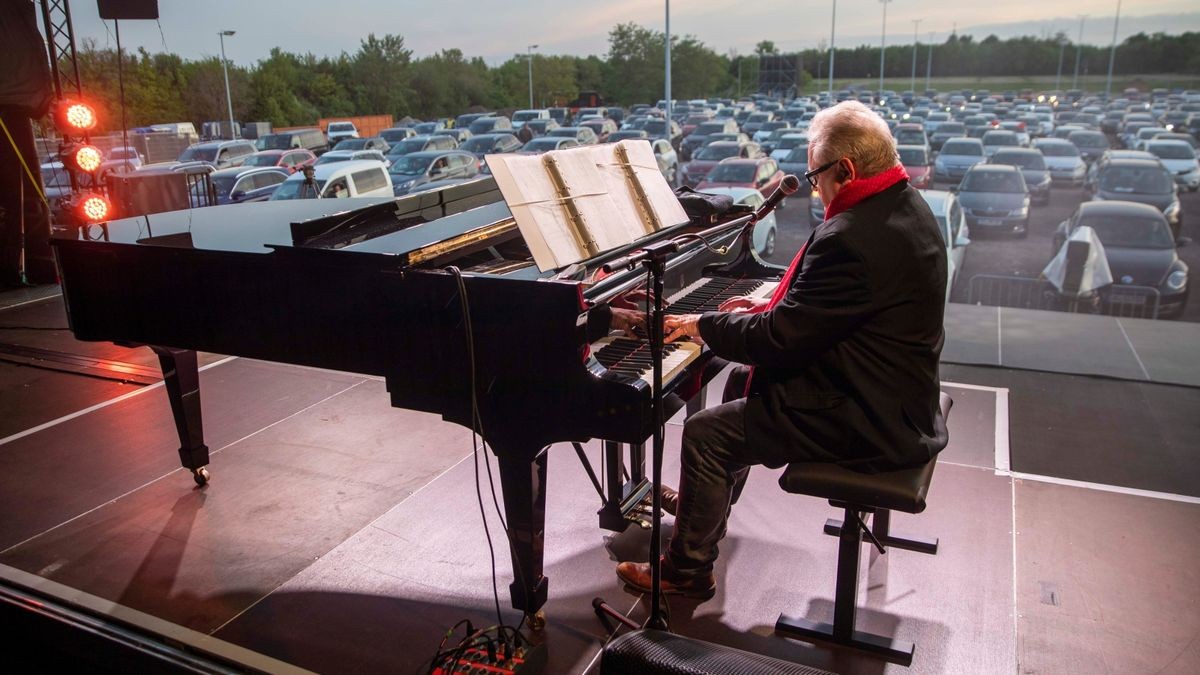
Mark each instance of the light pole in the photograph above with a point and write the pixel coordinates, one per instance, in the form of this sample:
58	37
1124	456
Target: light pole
529	50
882	47
929	63
1078	49
667	66
913	85
225	67
1112	52
1062	45
832	51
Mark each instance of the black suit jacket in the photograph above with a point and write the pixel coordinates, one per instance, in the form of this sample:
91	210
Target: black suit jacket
847	363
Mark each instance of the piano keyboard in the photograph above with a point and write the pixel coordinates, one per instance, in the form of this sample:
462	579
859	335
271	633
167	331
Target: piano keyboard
707	293
631	357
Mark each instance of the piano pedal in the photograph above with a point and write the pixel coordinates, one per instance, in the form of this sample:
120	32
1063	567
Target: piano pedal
641	522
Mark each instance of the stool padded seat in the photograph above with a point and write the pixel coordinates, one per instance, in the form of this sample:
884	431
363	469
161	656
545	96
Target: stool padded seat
902	490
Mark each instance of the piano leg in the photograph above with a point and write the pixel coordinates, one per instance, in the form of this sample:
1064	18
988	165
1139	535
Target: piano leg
182	379
523	482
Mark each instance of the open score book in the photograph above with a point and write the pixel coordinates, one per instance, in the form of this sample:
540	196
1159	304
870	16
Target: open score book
571	205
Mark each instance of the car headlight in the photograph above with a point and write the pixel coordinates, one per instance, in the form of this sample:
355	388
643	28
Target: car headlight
1172	211
1177	280
1020	213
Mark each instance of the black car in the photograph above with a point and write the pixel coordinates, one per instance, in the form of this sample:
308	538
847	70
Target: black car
1091	144
1139	248
1139	180
246	184
1033	167
490	144
994	197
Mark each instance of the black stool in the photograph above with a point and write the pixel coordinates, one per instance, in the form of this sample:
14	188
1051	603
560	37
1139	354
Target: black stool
859	493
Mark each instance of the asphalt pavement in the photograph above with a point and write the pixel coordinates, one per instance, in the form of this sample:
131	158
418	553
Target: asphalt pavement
1007	255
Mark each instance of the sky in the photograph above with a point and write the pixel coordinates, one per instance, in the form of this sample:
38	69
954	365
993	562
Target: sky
497	31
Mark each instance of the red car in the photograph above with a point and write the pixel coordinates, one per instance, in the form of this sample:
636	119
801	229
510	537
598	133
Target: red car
915	159
291	160
760	174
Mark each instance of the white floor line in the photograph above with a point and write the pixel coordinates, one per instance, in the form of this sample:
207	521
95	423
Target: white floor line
174	471
608	639
1103	487
98	406
999	340
1003	447
980	387
1012	485
30	302
1145	373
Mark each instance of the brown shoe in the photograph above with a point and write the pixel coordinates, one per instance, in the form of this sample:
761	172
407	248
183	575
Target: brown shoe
668	499
637	576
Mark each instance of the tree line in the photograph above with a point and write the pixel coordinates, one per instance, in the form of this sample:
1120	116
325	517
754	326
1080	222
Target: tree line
383	76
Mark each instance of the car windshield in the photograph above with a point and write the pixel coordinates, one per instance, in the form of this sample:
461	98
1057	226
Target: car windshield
525	115
913	156
273	142
406	146
910	137
962	149
951	128
759	117
1025	160
717	152
1172	151
426	127
351	144
789	143
624	135
341	126
1089	140
1126	232
478	144
993	181
655	127
540	145
262	160
295	188
798	154
709	128
1059	150
197	153
331	158
732	173
410	166
1146	181
1007	138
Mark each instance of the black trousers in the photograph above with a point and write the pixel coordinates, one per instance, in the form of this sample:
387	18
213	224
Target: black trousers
716	461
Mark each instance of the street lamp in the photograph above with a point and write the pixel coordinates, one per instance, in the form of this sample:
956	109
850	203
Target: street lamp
1078	50
529	50
832	26
882	46
225	67
913	86
929	63
1062	45
1112	52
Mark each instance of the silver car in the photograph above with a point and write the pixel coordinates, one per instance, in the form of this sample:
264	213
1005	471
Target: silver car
1063	160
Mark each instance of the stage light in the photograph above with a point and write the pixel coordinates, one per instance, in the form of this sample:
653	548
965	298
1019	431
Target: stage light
90	207
83	157
74	117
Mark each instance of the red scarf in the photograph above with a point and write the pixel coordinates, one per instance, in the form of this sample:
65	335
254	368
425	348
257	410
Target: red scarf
847	197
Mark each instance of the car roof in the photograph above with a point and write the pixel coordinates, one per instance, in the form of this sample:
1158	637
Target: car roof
1018	151
1119	208
436	153
742	160
1136	163
218	144
1168	142
910	147
494	136
738	193
1052	141
994	168
324	171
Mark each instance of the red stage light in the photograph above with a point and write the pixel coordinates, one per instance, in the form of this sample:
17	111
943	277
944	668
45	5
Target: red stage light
86	158
73	117
91	208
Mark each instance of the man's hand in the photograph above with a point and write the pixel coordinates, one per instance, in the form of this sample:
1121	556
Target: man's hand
744	303
680	326
625	320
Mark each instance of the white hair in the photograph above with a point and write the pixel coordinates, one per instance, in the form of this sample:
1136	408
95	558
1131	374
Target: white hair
850	129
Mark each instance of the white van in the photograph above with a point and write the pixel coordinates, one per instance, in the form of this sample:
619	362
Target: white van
520	117
356	178
179	129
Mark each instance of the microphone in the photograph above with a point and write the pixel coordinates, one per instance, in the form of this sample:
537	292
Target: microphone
787	187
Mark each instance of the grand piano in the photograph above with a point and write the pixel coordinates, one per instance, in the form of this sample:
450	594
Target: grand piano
368	289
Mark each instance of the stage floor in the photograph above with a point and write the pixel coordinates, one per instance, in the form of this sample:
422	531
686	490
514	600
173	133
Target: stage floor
339	534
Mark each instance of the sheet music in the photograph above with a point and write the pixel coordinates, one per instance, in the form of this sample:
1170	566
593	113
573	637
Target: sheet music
597	185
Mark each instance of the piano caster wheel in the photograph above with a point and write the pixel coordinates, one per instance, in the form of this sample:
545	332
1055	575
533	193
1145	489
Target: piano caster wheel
201	476
537	620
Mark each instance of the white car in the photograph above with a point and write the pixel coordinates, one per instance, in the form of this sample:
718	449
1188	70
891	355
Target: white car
337	131
953	226
1180	159
764	230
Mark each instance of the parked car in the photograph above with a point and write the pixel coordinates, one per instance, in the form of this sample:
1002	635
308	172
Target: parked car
365	178
1142	181
765	230
1093	171
291	160
582	135
490	124
521	117
994	197
909	133
427	128
541	127
542	144
915	159
372	143
667	159
397	134
351	155
1180	159
421	143
764	132
998	138
627	135
762	174
796	161
246	184
56	186
1091	144
421	168
307	139
337	131
658	128
490	144
945	131
783	147
952	224
700	135
459	134
1139	247
602	127
220	154
710	155
1020	129
119	159
1063	159
957	155
1032	166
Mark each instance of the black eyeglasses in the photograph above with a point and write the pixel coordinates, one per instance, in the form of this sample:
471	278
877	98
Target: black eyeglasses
811	176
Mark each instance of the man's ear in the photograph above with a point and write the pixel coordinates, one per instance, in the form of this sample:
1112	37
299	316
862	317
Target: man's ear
846	171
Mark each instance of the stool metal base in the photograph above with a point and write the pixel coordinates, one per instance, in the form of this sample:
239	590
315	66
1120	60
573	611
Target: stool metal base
896	651
880	528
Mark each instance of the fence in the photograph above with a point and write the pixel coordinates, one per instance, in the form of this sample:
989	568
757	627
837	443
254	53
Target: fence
1135	302
155	147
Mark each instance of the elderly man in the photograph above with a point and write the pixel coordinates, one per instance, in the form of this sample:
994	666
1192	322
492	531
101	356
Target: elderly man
844	356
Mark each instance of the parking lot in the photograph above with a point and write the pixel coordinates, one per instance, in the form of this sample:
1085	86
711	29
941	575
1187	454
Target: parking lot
1007	255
